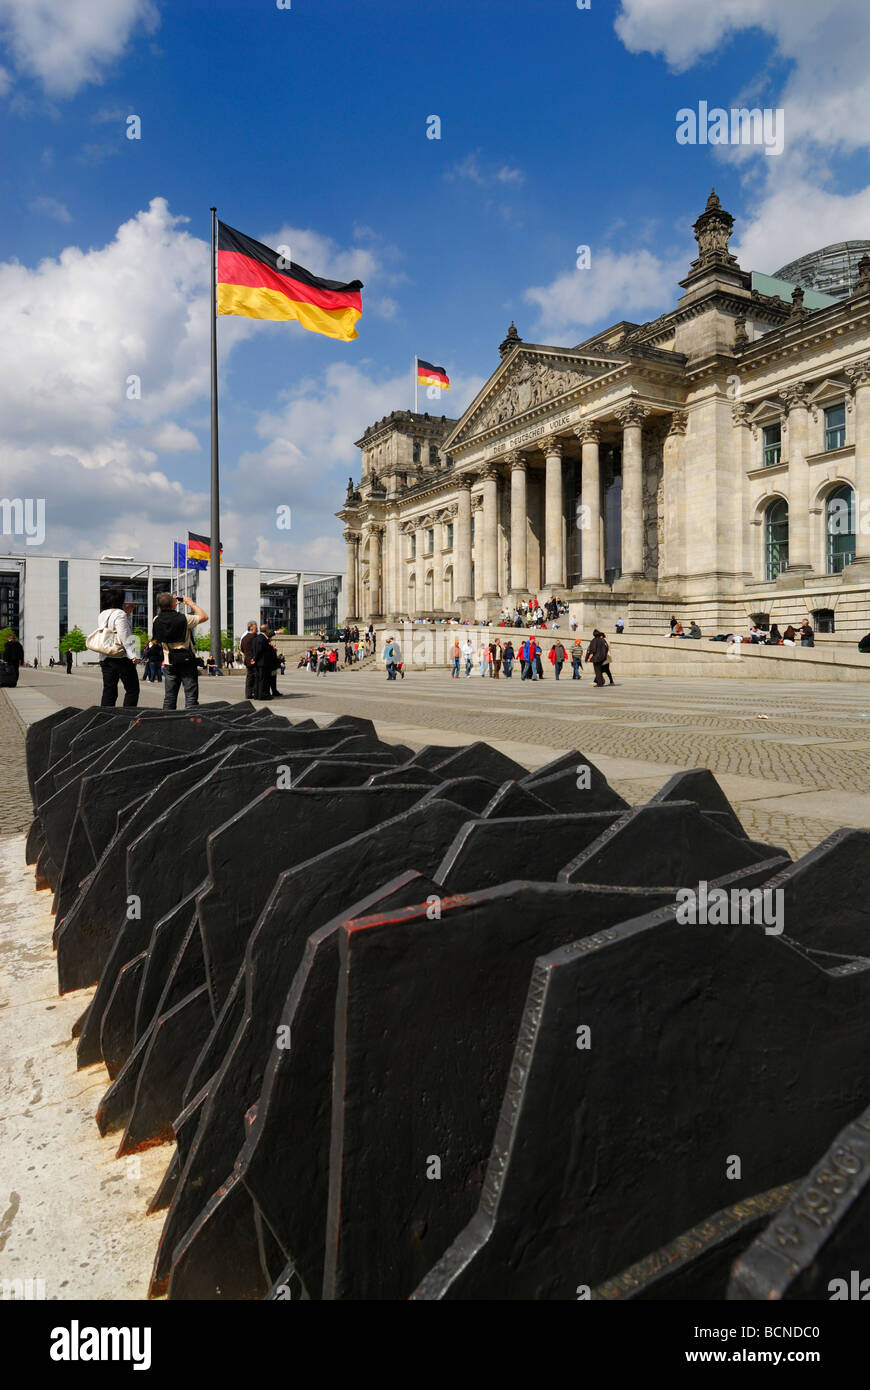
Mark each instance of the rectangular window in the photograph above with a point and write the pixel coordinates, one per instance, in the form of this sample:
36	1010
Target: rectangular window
772	444
430	541
835	426
450	535
416	454
472	530
413	545
433	455
63	596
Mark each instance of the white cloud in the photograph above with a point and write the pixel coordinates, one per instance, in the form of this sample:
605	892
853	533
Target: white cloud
616	286
50	207
484	175
67	45
172	439
826	95
104	371
307	455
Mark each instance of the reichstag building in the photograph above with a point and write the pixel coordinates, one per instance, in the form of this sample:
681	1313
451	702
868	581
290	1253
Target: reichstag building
714	463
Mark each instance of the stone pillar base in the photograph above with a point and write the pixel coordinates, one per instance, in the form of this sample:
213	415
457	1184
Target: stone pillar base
858	572
634	584
794	578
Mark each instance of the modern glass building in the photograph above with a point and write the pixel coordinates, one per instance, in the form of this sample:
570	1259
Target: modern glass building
831	270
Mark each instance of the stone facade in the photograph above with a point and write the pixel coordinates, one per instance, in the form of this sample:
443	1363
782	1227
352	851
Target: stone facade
642	471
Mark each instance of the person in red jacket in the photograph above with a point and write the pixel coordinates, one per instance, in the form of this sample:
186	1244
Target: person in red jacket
557	656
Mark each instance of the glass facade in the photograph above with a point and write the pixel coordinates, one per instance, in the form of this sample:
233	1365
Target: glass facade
135	591
10	591
835	426
775	539
321	604
772	444
832	269
278	607
63	597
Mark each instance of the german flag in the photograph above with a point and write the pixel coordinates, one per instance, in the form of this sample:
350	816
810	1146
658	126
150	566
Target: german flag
199	547
255	282
427	375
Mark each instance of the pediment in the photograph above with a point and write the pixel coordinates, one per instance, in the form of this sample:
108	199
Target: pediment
766	410
828	390
526	380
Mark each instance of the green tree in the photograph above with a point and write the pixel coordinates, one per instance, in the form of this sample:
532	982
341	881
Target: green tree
142	635
73	642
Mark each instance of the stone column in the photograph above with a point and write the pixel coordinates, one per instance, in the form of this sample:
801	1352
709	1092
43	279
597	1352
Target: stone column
420	566
375	534
859	377
392	566
554	516
591	558
673	561
631	416
796	401
352	541
489	477
519	523
462	540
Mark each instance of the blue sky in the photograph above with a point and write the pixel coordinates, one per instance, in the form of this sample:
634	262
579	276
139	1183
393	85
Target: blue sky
308	125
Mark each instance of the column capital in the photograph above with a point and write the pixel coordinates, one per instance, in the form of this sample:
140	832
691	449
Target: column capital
374	529
859	373
477	502
553	446
488	473
631	413
352	537
680	420
588	431
796	396
517	461
465	481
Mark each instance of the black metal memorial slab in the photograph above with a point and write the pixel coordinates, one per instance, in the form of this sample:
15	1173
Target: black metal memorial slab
303	899
724	1091
817	1245
462	977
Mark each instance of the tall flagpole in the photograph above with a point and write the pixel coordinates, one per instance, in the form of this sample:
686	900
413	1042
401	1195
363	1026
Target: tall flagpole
416	374
215	521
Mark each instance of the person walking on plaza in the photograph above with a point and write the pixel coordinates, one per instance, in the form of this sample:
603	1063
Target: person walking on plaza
271	663
508	658
455	655
577	660
69	661
248	660
13	655
535	650
120	665
391	657
468	656
497	655
596	652
557	656
482	655
173	629
620	627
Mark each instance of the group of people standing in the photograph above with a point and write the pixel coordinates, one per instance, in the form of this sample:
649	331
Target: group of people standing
496	657
261	662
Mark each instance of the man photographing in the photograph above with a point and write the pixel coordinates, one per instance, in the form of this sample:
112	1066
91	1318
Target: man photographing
174	630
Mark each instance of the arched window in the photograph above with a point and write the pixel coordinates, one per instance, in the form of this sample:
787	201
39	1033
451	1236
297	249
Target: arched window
428	587
775	539
448	585
840	528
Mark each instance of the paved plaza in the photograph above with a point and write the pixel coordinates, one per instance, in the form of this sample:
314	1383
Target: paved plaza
793	757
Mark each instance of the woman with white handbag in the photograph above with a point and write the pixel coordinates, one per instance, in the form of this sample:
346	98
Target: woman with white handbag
115	645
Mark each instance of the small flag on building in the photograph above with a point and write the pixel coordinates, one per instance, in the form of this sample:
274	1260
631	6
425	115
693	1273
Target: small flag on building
199	548
427	375
255	282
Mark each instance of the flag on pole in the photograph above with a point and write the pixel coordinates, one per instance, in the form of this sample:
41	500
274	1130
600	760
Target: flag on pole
427	375
256	282
199	549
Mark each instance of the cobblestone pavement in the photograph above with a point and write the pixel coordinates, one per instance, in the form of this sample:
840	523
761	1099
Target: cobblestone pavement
16	811
803	746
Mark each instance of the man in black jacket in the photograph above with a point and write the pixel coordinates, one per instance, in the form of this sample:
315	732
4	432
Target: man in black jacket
174	631
13	655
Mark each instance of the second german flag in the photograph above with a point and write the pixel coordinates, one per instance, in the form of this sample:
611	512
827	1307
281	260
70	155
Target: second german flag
257	283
